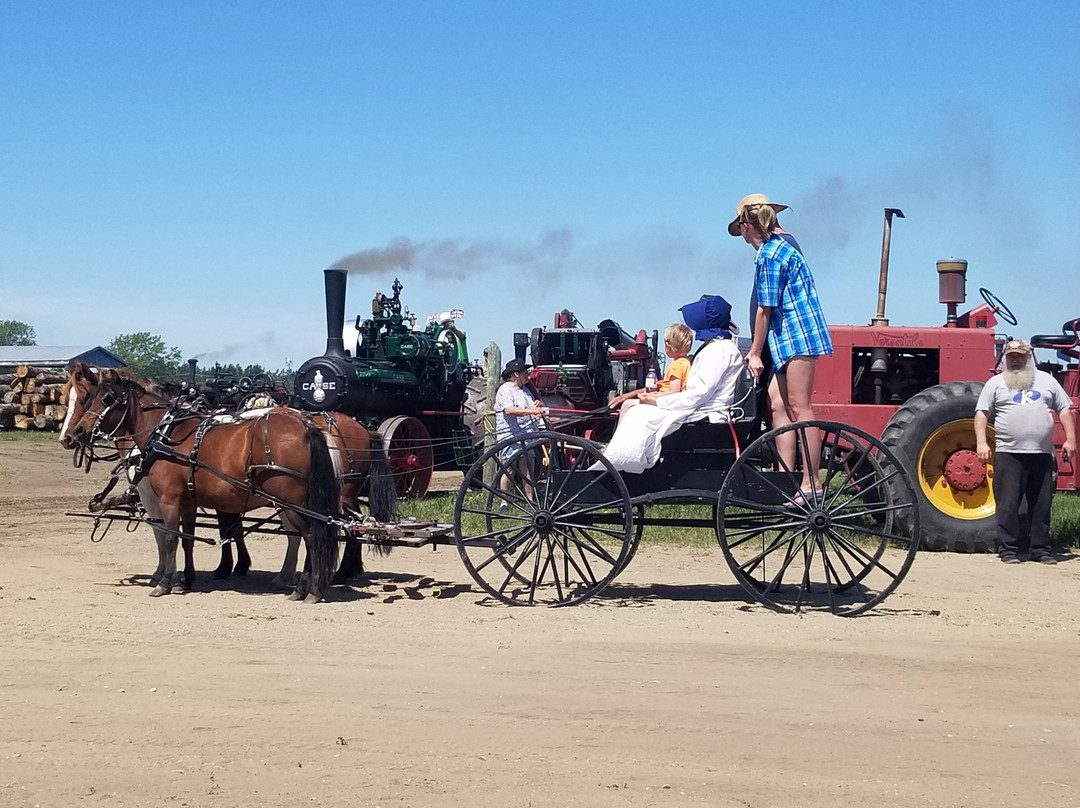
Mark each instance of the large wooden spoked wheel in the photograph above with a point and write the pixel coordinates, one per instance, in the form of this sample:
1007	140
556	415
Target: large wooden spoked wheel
844	548
553	529
410	455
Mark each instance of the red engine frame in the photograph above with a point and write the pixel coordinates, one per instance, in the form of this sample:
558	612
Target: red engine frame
967	351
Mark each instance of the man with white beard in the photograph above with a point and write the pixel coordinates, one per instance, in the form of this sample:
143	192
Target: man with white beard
1018	402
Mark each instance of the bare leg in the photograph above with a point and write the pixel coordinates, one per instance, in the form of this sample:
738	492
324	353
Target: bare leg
796	387
785	444
525	467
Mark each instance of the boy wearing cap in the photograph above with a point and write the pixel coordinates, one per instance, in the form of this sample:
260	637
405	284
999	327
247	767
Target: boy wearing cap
709	392
515	416
1019	401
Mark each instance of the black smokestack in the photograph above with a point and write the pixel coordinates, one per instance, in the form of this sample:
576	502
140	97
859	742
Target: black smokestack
335	310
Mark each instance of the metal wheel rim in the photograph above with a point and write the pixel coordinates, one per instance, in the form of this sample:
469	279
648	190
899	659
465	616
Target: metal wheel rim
410	455
557	549
975	504
843	554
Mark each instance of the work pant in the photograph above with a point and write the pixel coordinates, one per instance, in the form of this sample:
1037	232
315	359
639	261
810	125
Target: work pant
1028	478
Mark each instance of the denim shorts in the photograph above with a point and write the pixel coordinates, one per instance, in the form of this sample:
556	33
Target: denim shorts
516	450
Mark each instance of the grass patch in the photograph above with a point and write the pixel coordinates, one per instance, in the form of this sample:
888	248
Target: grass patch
439	507
28	436
1065	520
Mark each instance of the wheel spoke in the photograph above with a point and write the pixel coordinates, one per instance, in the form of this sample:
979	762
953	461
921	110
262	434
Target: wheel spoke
568	531
586	542
831	552
857	552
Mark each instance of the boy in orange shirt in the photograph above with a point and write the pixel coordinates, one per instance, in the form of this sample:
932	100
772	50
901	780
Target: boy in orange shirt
677	341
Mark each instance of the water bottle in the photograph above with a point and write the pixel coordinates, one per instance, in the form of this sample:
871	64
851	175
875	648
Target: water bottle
650	381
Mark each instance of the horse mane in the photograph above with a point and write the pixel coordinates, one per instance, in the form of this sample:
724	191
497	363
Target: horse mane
128	378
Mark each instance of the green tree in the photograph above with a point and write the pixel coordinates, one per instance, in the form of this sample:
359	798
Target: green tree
13	332
147	355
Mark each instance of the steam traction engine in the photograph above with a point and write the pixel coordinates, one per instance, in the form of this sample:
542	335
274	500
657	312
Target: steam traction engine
411	386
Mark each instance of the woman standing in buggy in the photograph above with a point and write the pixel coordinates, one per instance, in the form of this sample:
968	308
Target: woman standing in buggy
709	393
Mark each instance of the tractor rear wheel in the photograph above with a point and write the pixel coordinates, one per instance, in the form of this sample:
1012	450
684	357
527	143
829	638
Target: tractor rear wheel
474	407
410	455
933	435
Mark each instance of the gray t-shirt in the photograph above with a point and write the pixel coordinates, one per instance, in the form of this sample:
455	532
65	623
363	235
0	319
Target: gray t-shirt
510	395
1021	418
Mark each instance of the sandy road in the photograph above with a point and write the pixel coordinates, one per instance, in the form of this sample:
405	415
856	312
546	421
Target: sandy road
411	688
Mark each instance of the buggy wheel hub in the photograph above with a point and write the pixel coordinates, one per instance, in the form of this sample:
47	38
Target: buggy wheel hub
543	522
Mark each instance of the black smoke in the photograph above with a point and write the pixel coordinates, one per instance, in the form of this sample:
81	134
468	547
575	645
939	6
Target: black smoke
449	259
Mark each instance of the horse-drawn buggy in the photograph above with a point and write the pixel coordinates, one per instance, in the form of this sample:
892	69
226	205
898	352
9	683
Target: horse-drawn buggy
559	528
555	529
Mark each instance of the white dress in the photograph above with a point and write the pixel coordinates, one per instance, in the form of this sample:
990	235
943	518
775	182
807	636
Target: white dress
709	393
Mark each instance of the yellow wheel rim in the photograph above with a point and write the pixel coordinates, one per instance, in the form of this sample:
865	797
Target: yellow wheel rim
950	475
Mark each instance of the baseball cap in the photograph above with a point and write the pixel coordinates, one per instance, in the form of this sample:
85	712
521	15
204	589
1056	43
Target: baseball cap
1017	346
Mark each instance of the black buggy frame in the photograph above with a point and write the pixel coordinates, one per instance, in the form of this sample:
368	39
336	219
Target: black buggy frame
563	531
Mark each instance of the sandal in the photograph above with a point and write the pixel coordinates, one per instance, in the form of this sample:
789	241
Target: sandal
802	499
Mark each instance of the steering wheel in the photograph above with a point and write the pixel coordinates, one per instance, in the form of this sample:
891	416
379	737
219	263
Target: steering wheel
994	302
263	381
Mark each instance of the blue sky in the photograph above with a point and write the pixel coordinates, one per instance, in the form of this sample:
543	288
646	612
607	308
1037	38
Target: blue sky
189	169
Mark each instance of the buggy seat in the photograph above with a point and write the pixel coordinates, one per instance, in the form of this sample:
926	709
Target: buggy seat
695	457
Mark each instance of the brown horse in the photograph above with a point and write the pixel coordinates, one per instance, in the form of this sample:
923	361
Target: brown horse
274	459
359	460
360	463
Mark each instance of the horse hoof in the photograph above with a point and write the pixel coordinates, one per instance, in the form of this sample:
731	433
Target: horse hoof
221	575
159	591
296	595
313	598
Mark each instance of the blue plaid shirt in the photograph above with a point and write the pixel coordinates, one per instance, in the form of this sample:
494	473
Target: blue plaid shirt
784	283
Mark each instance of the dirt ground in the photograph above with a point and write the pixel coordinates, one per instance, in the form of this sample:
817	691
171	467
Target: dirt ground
412	689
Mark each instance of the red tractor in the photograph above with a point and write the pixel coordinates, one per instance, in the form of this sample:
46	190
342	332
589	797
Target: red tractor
917	389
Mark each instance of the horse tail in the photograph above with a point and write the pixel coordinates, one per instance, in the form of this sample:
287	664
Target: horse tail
382	493
324	497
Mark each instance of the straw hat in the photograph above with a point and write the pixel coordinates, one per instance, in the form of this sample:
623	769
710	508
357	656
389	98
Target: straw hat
749	201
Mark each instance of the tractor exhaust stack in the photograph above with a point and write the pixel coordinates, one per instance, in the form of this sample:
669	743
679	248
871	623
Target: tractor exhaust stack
883	280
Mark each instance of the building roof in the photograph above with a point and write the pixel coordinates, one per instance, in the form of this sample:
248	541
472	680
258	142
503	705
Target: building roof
58	356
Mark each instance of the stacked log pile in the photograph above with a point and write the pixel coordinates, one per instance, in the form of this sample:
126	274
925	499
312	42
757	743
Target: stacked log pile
30	398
